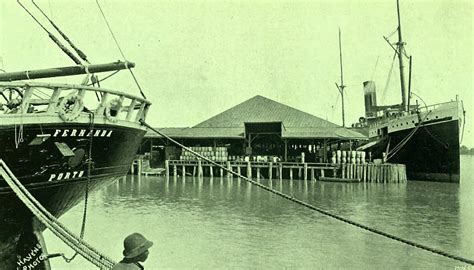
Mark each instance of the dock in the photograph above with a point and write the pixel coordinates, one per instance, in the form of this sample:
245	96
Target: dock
368	172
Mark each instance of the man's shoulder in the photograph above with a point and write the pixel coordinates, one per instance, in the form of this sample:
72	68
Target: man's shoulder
126	266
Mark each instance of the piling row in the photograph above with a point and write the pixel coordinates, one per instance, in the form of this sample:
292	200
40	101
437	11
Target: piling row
378	173
368	172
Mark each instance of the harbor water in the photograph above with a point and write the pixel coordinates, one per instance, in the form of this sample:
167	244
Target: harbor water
227	223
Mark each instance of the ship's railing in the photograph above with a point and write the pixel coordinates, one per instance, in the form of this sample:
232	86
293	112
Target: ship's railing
384	119
70	100
436	106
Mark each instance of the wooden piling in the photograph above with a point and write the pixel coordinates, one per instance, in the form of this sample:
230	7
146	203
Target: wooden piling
140	163
175	171
200	172
270	170
229	168
183	170
211	171
305	171
238	170
280	171
249	170
291	173
258	173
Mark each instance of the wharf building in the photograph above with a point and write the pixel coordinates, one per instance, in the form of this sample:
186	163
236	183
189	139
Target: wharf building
258	129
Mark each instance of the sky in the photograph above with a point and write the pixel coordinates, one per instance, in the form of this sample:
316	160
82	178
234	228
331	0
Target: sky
195	59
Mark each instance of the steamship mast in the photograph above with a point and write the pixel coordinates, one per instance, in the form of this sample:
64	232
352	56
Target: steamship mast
401	52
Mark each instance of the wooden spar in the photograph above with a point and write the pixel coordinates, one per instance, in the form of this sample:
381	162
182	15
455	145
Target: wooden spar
64	71
401	51
342	86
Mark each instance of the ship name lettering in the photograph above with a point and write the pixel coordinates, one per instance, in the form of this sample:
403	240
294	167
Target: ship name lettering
65	175
82	133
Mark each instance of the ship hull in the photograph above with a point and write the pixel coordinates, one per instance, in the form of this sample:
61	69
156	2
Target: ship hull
52	163
430	154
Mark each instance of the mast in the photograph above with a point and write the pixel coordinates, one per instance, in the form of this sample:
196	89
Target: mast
342	86
400	52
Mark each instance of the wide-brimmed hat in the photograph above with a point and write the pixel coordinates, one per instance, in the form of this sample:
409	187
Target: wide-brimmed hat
135	244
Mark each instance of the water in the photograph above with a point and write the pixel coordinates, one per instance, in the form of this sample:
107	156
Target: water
230	224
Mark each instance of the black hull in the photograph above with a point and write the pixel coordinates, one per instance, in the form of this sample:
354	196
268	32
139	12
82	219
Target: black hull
432	154
57	179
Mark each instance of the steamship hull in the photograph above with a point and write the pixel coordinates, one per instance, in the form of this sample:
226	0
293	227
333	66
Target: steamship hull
427	143
51	161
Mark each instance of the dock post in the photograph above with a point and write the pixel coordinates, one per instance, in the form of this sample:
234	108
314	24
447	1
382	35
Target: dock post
221	171
249	170
194	170
211	170
270	170
200	172
167	168
183	170
364	172
384	173
175	171
258	172
305	171
239	170
343	171
299	172
229	168
140	163
291	173
312	174
280	169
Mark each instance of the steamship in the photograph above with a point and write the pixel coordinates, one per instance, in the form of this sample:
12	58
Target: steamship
62	142
423	137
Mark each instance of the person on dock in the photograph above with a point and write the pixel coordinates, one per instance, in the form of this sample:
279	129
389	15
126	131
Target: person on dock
135	250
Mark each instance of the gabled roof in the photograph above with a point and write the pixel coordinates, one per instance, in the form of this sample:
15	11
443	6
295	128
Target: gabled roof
261	109
198	133
231	123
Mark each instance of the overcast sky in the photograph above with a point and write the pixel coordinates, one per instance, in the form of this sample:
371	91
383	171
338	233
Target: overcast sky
197	58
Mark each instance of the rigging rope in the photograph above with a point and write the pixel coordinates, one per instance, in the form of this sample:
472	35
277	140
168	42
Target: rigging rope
463	121
119	48
384	93
77	50
52	223
52	37
86	194
312	207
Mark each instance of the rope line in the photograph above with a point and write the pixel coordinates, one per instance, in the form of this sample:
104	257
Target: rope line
52	37
463	121
52	223
65	37
86	194
317	209
119	48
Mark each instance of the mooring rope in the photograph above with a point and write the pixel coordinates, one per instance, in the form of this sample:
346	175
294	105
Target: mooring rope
315	208
52	223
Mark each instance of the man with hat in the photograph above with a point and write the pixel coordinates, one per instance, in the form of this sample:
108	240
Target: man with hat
135	250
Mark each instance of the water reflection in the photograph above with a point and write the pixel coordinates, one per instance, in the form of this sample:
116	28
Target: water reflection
414	210
221	222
